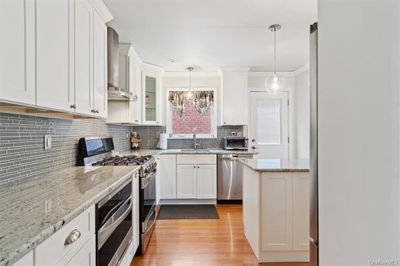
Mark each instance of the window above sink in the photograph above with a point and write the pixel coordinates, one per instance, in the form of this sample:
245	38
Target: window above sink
181	123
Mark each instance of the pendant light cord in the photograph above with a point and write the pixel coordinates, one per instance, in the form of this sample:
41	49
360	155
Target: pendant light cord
275	52
190	81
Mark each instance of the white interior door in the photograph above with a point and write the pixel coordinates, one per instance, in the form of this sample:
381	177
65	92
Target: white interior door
269	124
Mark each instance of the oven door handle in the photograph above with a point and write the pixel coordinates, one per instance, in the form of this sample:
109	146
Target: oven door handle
147	180
106	230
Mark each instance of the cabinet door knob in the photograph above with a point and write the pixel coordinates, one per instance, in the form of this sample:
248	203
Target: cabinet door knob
253	147
72	237
253	140
97	111
73	106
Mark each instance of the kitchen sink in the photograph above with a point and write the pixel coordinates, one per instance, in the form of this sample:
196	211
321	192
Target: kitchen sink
194	151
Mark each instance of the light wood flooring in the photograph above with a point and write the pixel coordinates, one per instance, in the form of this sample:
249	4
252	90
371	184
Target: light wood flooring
202	242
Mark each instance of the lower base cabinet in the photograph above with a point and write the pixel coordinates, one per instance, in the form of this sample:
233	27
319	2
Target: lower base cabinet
196	181
74	242
86	256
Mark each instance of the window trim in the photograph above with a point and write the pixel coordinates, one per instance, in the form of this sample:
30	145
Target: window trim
214	116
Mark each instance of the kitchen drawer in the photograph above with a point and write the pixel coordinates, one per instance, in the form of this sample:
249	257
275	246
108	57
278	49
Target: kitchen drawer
196	159
52	250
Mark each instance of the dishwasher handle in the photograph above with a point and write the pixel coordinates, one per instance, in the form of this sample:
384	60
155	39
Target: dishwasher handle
233	157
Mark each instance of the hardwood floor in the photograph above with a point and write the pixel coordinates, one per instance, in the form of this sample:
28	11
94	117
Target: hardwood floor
202	242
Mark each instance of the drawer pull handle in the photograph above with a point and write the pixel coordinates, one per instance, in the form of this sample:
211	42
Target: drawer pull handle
72	237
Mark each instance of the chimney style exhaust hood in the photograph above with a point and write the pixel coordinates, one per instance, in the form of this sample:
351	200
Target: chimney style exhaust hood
114	91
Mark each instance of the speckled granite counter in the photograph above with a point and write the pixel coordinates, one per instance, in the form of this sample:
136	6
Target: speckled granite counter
24	222
277	165
183	151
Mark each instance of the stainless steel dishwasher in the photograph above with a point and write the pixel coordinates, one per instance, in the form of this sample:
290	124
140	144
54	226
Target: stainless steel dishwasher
230	176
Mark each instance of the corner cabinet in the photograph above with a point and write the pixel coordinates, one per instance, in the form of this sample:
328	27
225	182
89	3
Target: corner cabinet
152	105
55	56
234	93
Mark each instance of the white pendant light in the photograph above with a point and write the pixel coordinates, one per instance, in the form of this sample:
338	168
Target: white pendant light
274	82
189	94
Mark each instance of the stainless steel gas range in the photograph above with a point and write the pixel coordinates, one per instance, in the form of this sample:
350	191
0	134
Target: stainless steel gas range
96	151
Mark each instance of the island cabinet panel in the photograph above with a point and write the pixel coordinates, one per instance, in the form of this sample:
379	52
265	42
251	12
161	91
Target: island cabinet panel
275	214
167	170
17	51
251	208
301	190
277	209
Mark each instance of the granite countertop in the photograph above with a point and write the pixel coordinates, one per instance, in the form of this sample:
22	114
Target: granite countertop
277	165
24	222
182	151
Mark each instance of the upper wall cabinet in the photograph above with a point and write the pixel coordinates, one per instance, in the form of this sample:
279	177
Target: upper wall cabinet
151	95
130	79
55	55
53	62
234	96
17	51
99	101
83	56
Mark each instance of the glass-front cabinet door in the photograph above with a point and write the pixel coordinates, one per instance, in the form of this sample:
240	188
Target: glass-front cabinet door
151	80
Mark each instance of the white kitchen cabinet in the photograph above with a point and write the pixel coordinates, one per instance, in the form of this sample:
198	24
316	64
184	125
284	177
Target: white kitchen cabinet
152	105
206	181
275	214
26	260
54	251
83	56
55	56
86	256
186	182
167	172
99	101
17	51
234	93
196	181
301	188
276	204
54	29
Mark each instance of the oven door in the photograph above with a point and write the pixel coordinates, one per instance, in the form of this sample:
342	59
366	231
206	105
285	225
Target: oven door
114	226
148	200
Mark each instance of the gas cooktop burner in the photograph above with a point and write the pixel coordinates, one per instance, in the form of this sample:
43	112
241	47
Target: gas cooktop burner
123	160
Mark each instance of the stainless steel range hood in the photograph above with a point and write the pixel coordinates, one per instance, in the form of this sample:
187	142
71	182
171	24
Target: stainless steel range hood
114	91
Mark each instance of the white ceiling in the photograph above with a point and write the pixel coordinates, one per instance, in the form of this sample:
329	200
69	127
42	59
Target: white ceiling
209	34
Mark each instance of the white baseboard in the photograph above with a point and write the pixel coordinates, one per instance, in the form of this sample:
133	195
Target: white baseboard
188	201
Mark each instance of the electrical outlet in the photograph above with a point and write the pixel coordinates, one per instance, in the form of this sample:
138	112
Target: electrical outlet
47	142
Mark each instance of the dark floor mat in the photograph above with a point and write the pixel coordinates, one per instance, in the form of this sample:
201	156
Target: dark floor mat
169	212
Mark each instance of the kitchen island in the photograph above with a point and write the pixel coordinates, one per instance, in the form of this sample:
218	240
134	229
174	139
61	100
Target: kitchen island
275	208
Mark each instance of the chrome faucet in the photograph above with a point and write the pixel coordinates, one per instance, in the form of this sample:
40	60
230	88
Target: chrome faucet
195	144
